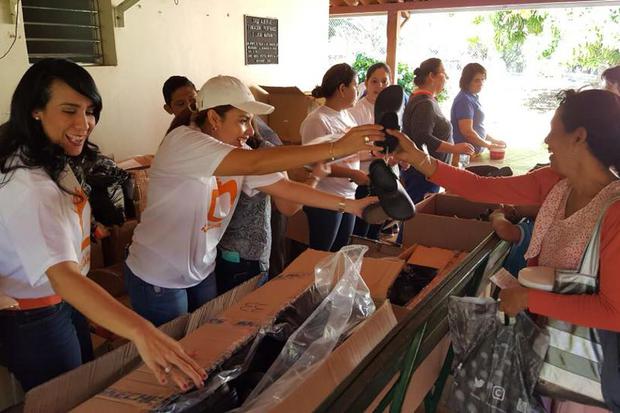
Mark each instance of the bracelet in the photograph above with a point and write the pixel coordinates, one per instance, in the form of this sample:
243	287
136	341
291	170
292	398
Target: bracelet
425	161
332	155
342	206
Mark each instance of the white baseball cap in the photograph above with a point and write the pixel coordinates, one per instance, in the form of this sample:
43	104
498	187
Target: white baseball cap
228	90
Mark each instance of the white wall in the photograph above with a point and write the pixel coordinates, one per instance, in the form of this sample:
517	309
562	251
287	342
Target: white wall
196	38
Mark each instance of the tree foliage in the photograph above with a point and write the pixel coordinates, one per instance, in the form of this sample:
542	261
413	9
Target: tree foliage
593	56
512	28
363	62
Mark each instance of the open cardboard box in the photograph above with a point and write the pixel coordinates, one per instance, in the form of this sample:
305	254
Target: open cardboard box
448	221
309	394
291	108
432	216
220	337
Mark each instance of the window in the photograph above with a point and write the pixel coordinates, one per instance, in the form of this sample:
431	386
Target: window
78	30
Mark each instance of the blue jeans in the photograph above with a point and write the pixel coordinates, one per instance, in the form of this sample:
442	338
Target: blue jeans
40	344
328	230
160	305
610	374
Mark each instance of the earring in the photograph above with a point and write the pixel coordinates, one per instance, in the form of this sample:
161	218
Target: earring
37	118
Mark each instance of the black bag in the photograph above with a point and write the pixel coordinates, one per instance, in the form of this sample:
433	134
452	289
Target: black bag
496	366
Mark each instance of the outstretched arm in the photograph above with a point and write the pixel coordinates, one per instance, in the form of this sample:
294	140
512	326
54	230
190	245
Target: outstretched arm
305	195
528	189
163	355
267	160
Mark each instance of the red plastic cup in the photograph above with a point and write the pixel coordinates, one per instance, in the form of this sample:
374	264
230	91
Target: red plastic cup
497	153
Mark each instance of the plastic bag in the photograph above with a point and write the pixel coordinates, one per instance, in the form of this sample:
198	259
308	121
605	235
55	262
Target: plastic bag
347	303
496	365
232	383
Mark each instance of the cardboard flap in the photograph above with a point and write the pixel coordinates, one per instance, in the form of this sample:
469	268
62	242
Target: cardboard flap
309	394
452	205
282	90
431	257
379	275
220	303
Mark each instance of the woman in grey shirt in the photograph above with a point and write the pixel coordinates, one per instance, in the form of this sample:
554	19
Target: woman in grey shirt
424	123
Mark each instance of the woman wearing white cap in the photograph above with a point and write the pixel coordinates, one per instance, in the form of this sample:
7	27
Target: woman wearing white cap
195	181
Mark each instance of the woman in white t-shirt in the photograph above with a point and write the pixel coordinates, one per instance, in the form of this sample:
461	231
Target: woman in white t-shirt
45	237
377	78
196	178
330	230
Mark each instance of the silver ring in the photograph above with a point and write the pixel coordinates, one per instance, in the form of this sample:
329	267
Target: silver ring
167	370
366	139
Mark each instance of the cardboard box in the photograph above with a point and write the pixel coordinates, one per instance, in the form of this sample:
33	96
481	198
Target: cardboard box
77	386
229	331
441	220
309	393
448	221
291	108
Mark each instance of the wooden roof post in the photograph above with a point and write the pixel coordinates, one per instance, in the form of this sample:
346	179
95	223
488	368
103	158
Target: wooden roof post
393	26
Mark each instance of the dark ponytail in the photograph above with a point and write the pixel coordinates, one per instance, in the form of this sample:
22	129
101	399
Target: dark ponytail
427	67
598	112
340	74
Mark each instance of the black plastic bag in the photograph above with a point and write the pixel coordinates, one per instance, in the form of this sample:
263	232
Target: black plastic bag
496	366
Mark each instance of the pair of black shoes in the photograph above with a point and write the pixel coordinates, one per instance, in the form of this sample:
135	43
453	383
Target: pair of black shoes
394	202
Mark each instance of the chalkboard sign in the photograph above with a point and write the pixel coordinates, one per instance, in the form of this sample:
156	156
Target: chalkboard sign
261	41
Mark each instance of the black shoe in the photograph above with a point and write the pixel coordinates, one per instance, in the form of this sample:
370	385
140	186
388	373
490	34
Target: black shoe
394	202
388	107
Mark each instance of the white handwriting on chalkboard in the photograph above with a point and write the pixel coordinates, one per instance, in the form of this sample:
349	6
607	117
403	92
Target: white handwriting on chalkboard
261	40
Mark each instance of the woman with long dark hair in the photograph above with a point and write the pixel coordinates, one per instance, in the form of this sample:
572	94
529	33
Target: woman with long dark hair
45	237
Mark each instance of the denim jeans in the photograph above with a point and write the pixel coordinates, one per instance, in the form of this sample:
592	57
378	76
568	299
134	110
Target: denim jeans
328	230
40	344
610	374
160	305
231	274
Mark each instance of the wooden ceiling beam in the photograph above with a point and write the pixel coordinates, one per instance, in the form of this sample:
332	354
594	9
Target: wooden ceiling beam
384	7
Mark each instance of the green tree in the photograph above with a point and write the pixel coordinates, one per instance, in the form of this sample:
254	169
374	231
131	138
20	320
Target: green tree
405	77
555	41
361	64
512	28
593	56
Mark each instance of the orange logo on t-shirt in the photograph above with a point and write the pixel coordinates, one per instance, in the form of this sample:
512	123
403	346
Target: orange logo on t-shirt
79	204
223	188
